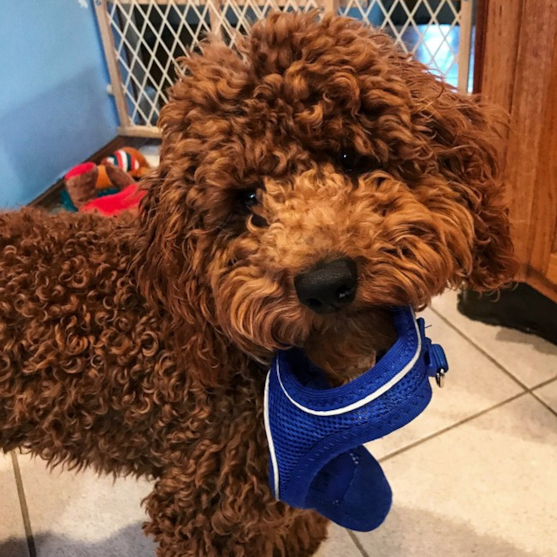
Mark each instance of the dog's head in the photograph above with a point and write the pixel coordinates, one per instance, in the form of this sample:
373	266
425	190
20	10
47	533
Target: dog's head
313	177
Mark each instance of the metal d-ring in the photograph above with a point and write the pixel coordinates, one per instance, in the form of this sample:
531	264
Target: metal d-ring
440	377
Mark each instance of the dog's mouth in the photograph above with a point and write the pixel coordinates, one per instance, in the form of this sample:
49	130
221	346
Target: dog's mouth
349	344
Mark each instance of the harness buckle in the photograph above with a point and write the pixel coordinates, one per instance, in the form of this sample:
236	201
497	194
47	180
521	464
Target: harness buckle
437	364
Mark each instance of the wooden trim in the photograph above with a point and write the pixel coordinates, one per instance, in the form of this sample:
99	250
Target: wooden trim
482	8
331	5
140	131
203	2
101	9
519	73
50	196
465	49
544	207
215	21
552	268
498	53
280	3
529	97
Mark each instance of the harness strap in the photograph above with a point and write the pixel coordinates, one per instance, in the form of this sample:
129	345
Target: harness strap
316	433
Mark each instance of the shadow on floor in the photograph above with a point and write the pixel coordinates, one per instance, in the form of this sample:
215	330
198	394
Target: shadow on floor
407	533
128	542
13	547
539	344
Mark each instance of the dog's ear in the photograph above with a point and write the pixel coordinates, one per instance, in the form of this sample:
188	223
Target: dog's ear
174	245
171	275
170	267
171	229
467	138
164	248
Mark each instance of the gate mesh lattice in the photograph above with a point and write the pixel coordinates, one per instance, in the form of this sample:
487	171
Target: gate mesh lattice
143	38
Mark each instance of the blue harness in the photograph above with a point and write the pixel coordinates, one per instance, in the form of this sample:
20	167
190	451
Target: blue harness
315	433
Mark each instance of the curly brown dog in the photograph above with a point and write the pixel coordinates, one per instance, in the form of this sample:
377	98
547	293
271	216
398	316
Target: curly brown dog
141	346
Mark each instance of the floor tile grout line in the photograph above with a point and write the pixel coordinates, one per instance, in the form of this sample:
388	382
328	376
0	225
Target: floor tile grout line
543	403
527	390
452	426
490	357
544	383
357	543
23	506
353	536
481	350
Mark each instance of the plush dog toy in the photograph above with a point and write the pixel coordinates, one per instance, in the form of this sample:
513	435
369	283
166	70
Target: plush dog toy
112	205
81	184
82	195
128	159
88	181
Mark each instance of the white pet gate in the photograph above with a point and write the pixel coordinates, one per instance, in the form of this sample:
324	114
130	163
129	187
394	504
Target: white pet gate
143	38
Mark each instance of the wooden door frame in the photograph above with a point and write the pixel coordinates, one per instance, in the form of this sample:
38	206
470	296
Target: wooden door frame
516	68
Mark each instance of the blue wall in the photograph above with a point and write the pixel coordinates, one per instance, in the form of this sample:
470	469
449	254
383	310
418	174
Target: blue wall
54	108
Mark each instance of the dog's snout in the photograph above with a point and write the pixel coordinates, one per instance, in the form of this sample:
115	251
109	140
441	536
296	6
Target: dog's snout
328	287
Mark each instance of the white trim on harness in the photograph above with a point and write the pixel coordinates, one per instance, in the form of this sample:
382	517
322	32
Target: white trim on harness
270	437
372	396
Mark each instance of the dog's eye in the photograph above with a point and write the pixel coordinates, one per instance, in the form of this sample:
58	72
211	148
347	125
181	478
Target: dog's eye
248	198
355	163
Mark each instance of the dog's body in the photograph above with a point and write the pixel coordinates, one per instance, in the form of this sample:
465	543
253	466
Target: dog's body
88	378
140	347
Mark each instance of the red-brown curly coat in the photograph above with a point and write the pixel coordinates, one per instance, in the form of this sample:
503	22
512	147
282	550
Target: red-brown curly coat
139	347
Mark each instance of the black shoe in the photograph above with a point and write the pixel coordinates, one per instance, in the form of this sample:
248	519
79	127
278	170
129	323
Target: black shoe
521	308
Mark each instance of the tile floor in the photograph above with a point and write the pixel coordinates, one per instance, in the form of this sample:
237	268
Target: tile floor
475	475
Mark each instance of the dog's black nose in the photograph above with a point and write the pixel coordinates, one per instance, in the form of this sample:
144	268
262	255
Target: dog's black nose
328	287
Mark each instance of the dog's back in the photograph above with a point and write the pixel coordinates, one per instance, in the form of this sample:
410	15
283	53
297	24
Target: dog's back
78	345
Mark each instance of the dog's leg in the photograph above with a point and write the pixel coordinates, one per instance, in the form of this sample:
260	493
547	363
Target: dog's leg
190	521
305	536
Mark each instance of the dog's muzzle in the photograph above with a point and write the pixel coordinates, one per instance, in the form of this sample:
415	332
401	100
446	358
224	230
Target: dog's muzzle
316	433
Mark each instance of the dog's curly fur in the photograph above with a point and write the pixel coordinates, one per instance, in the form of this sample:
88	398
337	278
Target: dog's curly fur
139	347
